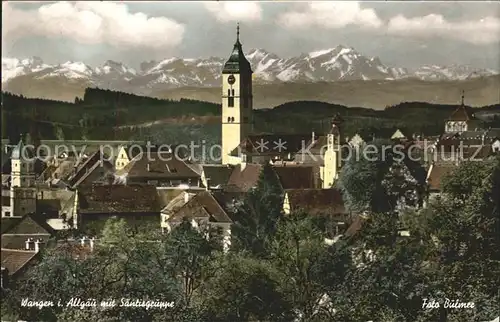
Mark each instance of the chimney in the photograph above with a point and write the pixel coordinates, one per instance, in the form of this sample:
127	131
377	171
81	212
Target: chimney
313	137
37	245
92	243
149	169
186	196
28	243
208	184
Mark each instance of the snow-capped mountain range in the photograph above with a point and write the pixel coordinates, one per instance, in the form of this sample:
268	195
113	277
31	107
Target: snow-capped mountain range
334	64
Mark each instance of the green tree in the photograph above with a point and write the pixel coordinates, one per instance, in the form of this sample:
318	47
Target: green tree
244	289
309	268
463	224
257	217
379	178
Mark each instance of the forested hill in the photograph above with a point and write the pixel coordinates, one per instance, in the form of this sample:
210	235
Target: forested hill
101	114
409	117
97	113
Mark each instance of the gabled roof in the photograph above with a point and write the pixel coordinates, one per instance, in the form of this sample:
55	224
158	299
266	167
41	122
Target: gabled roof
316	201
295	176
161	165
13	260
218	174
29	225
356	226
110	199
437	172
291	176
243	178
9	222
176	203
19	241
206	204
398	134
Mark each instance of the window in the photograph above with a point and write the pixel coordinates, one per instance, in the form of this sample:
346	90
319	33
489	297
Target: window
232	92
7	213
232	119
228	119
230	101
228	92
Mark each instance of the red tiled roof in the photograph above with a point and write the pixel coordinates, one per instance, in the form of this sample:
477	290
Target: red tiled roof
290	176
295	176
160	165
217	174
30	225
204	204
119	199
316	201
436	174
14	260
243	179
355	226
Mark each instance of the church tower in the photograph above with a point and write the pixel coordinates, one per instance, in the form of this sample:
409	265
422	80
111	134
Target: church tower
332	155
22	180
236	102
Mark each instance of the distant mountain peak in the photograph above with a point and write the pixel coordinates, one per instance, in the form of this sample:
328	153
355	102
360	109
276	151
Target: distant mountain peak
332	64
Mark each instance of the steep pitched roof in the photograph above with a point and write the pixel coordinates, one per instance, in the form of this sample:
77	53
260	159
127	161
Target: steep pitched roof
118	199
437	172
243	178
356	226
237	62
9	222
295	176
204	204
218	174
291	176
29	225
161	165
316	201
19	241
176	203
14	260
21	151
462	113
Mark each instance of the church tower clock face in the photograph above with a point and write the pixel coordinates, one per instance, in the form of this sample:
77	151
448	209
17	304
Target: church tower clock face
231	79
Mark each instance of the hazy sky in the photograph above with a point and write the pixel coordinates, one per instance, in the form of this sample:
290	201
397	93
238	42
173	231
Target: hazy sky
406	34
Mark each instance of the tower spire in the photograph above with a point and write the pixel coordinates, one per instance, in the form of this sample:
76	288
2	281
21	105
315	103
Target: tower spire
463	97
238	32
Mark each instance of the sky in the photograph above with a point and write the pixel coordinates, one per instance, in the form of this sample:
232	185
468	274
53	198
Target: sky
403	34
